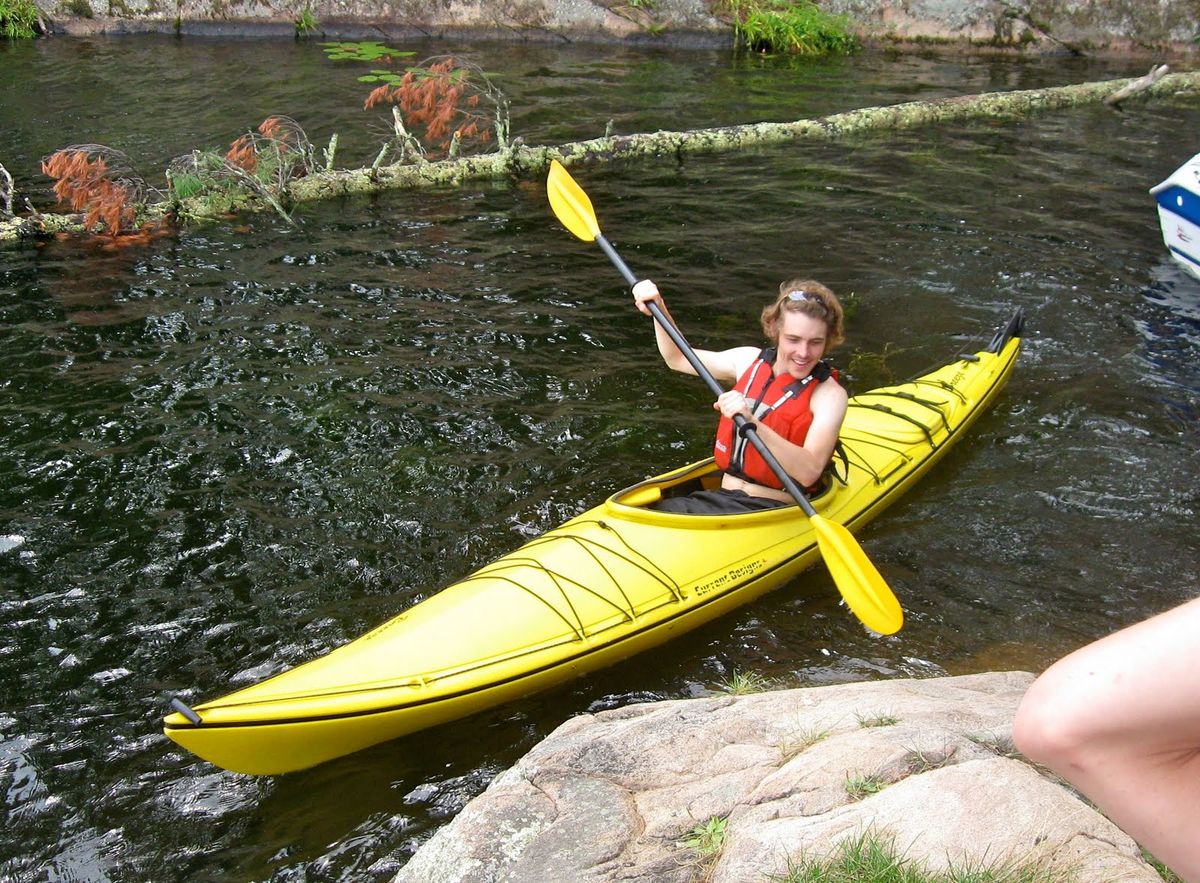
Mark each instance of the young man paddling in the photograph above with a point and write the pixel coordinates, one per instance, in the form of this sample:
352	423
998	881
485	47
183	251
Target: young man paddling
786	390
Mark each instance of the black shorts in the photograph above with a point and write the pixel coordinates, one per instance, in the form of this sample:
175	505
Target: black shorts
718	502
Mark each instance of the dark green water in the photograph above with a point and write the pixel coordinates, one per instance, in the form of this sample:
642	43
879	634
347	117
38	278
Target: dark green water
233	449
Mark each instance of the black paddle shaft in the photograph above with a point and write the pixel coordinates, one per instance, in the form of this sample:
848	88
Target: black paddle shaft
744	426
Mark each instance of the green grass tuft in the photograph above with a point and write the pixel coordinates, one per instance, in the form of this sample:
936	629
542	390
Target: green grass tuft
870	858
1163	871
743	683
306	22
797	26
859	787
18	19
799	741
878	720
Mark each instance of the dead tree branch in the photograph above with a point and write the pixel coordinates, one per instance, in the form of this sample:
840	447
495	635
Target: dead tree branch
1141	84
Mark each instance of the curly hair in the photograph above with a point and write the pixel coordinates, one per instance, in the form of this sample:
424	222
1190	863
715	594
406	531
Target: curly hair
811	298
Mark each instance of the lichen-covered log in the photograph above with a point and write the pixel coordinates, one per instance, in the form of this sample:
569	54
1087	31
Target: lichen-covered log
910	115
38	226
524	161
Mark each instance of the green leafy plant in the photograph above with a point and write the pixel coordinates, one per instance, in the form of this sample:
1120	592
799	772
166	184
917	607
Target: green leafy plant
859	787
1162	870
19	19
798	26
306	22
368	51
708	838
261	162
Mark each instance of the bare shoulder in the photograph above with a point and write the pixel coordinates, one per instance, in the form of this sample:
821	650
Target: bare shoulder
830	394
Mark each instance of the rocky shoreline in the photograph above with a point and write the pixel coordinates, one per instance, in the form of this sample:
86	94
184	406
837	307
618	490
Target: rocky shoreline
927	765
1166	28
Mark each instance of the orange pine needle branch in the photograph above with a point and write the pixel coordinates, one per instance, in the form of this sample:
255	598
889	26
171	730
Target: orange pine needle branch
85	181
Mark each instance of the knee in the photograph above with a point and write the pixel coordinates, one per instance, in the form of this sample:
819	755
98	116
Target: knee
1044	729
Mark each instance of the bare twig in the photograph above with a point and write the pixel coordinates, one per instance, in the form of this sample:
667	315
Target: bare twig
260	189
6	192
1141	84
409	145
330	152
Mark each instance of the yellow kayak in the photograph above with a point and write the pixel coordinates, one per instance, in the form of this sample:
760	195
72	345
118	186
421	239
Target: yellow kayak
610	583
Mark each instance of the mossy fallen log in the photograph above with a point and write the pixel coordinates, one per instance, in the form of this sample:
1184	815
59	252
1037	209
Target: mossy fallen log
525	161
39	226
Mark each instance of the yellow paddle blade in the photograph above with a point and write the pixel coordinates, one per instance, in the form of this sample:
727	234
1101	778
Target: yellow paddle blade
861	585
570	204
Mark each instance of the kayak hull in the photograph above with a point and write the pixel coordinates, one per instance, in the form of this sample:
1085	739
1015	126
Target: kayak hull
1178	201
610	583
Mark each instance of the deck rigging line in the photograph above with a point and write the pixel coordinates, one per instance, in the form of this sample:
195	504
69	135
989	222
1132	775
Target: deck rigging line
941	384
574	621
884	409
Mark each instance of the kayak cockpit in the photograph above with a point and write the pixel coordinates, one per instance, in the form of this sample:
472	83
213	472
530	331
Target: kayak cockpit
638	499
696	477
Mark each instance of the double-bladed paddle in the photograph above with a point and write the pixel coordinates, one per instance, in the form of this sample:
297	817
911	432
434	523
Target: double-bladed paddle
860	583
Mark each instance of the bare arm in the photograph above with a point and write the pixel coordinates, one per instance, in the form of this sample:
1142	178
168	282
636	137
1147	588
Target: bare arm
725	365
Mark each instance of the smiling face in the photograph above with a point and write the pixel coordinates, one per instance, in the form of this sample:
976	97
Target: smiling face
802	343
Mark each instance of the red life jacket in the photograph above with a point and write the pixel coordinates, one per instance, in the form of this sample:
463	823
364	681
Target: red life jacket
782	403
